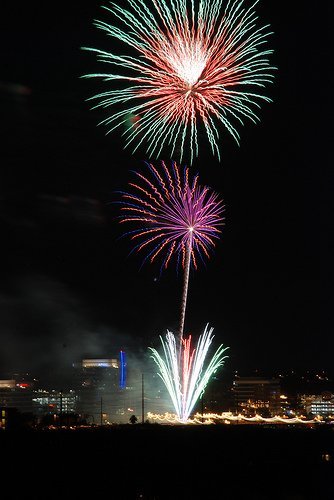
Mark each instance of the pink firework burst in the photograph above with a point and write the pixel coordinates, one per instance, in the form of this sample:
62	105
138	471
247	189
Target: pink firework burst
177	218
192	65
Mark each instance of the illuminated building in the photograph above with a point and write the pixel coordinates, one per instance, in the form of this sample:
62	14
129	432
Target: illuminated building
319	405
7	384
98	363
257	395
16	406
97	382
54	402
15	394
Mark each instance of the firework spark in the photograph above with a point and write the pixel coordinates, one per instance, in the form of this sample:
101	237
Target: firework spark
178	218
191	66
184	370
228	418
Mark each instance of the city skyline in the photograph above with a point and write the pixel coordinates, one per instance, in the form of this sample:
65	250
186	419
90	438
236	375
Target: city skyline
70	284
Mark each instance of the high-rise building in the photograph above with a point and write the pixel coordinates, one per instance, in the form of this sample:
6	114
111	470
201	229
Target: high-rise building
16	405
319	405
53	402
97	386
16	394
257	395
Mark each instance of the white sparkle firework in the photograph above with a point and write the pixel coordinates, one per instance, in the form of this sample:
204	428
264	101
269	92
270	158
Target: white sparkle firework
191	66
186	370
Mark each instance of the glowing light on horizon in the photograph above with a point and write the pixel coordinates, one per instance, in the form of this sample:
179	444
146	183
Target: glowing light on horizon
190	67
185	370
229	418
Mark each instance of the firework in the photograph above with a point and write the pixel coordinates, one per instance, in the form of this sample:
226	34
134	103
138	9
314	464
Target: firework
228	418
184	370
178	219
190	66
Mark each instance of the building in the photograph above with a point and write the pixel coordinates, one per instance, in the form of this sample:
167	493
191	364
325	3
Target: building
16	407
52	402
97	385
257	395
16	394
319	405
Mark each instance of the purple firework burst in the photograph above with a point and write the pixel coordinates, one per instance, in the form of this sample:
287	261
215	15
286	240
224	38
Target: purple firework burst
177	218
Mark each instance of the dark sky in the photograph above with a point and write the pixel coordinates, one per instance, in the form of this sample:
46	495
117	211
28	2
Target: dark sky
68	285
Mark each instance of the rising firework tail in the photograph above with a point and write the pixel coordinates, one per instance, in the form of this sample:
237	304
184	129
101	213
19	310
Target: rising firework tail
189	66
178	219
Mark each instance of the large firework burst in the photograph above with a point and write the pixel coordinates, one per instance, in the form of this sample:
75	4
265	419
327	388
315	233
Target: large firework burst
190	65
177	218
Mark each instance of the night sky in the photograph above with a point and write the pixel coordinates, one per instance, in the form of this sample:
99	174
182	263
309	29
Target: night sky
68	284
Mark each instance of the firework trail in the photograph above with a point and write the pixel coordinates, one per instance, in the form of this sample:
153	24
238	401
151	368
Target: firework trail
191	66
178	219
184	371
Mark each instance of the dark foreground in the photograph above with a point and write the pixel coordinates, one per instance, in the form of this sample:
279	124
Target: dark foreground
165	462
